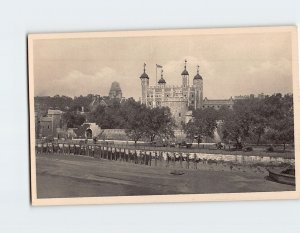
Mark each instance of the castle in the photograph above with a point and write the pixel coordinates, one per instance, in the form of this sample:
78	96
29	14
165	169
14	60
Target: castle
180	99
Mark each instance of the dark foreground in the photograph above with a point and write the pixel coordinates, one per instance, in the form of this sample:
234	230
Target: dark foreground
61	176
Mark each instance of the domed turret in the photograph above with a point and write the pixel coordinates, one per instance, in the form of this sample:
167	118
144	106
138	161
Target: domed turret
185	76
198	76
144	75
162	81
185	72
145	84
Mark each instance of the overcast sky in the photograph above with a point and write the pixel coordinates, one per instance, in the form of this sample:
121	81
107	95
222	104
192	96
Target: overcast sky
229	64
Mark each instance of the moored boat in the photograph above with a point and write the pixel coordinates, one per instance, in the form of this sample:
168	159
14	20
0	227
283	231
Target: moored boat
285	176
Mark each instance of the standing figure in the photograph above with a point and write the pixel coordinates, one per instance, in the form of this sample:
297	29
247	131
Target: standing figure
168	159
195	161
174	159
180	159
187	160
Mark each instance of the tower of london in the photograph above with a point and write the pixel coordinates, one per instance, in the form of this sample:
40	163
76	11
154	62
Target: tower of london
180	99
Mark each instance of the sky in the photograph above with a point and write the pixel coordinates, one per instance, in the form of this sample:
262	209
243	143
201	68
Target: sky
230	64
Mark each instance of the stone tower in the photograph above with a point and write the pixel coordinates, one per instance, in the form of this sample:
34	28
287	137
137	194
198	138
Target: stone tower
198	84
185	76
115	91
145	84
162	81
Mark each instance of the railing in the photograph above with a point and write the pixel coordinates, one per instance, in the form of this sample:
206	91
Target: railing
212	151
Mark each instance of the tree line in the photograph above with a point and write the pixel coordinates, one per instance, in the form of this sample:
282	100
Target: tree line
254	120
138	121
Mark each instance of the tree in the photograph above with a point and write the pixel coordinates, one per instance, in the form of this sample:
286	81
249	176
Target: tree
73	119
135	116
159	123
281	122
233	129
252	119
203	124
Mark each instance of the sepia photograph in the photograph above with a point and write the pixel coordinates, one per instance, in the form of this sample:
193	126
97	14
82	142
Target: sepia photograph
164	115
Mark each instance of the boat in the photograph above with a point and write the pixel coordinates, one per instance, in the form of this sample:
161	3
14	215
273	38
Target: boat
284	176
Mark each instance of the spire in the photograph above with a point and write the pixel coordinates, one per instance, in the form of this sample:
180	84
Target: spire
185	72
198	76
162	81
144	75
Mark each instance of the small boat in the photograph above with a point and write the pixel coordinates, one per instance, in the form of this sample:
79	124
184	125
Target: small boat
177	172
284	176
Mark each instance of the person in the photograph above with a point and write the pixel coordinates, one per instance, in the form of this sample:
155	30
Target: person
174	159
135	157
155	158
195	161
180	159
93	151
187	160
140	157
168	159
150	158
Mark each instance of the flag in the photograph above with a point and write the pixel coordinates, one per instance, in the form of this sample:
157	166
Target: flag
158	66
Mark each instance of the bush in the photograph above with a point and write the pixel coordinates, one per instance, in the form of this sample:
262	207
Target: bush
248	148
270	149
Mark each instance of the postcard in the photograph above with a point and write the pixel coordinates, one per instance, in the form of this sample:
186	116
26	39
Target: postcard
164	116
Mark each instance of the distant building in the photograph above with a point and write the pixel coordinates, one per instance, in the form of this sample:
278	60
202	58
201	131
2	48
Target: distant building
115	91
217	104
48	125
87	130
180	99
251	96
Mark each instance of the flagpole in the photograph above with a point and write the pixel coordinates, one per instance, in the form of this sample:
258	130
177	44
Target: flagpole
156	75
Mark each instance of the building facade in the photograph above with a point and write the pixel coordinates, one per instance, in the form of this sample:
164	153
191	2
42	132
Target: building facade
180	99
48	125
115	91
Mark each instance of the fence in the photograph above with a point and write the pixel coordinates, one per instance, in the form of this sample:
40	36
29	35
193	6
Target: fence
152	156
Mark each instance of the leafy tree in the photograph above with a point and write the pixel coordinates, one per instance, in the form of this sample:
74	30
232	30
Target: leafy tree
281	121
202	125
255	118
136	123
159	123
73	119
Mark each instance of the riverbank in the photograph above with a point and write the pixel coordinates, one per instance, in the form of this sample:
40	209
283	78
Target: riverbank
60	176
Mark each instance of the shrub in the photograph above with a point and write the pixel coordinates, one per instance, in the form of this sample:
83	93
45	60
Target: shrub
270	149
248	148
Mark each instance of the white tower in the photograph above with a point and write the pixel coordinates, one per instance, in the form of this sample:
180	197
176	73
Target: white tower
185	76
198	84
145	85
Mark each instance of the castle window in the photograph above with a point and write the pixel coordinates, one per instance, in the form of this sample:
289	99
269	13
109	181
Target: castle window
179	114
48	126
192	95
167	95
